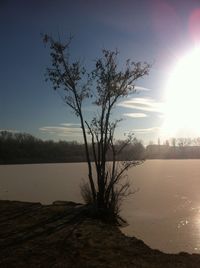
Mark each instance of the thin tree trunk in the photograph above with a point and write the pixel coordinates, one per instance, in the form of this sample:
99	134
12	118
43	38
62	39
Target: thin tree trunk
88	160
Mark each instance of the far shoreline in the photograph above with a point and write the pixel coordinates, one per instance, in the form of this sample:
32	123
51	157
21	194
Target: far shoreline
77	162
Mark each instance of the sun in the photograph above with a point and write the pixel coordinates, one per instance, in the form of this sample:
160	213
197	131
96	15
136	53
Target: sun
182	95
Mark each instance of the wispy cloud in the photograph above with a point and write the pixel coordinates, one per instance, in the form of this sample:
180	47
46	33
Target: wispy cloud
143	104
146	130
65	129
142	88
59	129
135	115
70	124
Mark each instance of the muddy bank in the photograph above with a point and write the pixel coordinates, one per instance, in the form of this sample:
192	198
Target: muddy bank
60	235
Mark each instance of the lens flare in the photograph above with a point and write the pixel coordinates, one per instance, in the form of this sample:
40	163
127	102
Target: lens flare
182	109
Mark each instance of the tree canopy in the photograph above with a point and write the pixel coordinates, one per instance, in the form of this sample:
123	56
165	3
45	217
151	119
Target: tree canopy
105	85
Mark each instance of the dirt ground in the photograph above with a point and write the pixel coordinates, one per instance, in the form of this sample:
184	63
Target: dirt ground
59	235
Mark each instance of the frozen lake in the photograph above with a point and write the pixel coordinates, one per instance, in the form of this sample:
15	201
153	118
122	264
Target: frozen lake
164	213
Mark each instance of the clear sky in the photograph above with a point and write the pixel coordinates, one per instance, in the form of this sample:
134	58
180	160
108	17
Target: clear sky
161	32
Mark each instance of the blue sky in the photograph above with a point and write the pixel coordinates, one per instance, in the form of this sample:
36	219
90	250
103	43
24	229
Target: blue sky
156	31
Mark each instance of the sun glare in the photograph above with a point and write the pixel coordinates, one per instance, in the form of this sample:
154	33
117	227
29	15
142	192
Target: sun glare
182	107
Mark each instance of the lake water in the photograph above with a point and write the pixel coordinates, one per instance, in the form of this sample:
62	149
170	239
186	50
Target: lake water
164	213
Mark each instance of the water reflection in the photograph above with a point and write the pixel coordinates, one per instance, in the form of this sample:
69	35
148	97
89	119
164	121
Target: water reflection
165	213
196	228
182	223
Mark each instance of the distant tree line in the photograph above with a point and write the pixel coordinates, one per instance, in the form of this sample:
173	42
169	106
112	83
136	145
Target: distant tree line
23	148
175	148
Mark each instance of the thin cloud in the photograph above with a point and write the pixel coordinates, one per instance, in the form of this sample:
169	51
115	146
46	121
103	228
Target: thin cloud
135	115
146	130
70	124
59	129
65	129
143	104
142	88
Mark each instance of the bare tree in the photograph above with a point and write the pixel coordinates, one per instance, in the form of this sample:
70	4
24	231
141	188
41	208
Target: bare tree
105	85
